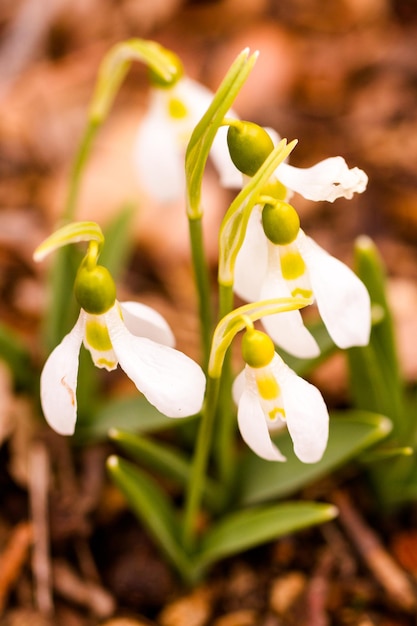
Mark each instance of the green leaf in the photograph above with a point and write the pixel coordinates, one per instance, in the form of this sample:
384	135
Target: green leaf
152	507
350	434
133	414
204	133
253	527
165	460
15	354
118	242
374	371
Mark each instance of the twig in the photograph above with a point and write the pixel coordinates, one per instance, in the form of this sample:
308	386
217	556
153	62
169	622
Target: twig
84	593
386	571
13	558
38	487
317	591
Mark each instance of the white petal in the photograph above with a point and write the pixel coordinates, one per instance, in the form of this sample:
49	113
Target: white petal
306	413
59	381
170	380
252	260
254	429
342	298
157	155
287	329
327	180
143	321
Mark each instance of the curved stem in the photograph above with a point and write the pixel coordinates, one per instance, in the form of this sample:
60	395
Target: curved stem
202	279
77	169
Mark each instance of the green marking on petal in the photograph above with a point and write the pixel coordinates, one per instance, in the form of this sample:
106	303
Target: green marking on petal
268	387
292	265
304	293
97	336
177	109
273	415
102	362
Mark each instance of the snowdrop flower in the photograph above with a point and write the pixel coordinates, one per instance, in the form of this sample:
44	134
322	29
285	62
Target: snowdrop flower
278	260
270	395
129	334
163	135
250	144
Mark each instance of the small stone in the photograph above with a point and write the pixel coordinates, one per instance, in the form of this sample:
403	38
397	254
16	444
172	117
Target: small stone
238	618
285	591
191	610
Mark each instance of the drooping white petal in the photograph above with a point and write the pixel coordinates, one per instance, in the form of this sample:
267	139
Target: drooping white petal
306	413
327	180
342	298
286	329
58	381
157	155
143	321
253	427
252	260
170	380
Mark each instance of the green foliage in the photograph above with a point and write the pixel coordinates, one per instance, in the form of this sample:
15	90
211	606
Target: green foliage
376	385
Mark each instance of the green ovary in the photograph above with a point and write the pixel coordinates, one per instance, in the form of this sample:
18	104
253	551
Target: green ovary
97	336
177	109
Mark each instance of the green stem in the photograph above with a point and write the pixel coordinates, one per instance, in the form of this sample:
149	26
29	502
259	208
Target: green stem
225	429
200	461
202	279
77	169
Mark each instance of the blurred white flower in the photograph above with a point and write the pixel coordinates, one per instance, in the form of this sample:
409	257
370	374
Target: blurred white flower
163	135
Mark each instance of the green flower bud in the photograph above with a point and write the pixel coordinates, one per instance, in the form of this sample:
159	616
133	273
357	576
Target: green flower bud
249	146
257	348
95	289
157	80
280	222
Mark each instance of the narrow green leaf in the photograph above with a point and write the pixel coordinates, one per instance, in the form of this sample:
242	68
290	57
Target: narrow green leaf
15	354
374	371
133	414
350	433
165	460
203	136
384	454
253	527
153	509
118	244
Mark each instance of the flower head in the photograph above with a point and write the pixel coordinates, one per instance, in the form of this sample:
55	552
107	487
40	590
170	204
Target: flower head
138	339
326	180
269	396
268	270
163	136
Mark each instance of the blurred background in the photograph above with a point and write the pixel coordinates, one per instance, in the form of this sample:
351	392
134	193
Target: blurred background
340	77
